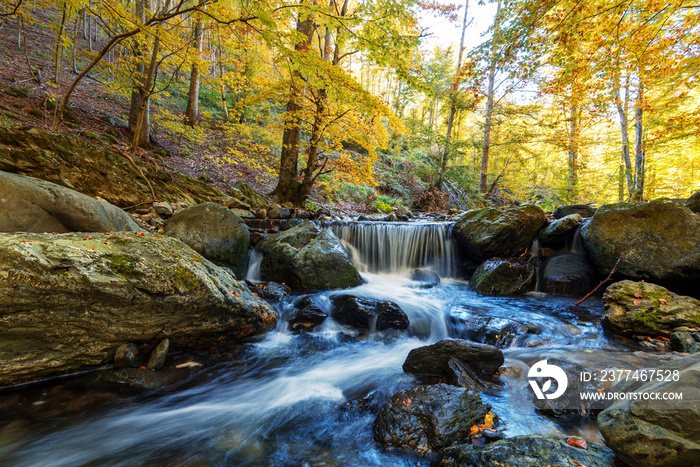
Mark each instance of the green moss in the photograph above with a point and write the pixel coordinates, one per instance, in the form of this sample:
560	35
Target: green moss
650	319
122	266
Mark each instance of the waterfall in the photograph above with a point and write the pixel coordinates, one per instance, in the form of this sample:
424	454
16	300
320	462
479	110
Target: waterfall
254	260
383	247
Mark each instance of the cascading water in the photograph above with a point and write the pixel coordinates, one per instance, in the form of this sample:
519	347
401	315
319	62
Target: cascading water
294	399
395	248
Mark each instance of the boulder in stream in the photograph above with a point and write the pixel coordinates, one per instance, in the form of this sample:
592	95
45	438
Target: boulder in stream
526	451
214	232
560	230
490	232
647	432
660	241
693	203
647	309
306	258
68	301
429	418
583	210
570	274
503	277
430	363
367	314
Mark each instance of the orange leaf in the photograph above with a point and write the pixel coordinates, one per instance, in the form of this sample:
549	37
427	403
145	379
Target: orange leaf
579	464
663	339
637	302
638	295
107	242
474	430
663	301
143	368
407	402
488	419
577	443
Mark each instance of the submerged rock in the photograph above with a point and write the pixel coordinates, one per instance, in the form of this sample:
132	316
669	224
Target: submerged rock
526	451
657	433
491	330
430	363
489	232
127	356
503	277
214	232
648	309
367	314
307	315
660	241
31	205
68	301
306	258
429	418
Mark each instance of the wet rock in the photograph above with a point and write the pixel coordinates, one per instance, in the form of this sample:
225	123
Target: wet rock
683	341
526	451
570	403
428	418
214	232
32	205
235	203
583	210
693	203
491	330
306	258
403	211
503	277
307	315
559	231
660	241
163	208
488	232
145	380
426	277
570	274
430	363
157	359
270	290
465	377
367	314
127	356
648	309
68	301
657	433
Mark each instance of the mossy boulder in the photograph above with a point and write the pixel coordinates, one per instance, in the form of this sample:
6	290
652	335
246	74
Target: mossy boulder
503	277
693	203
67	302
647	309
526	451
214	232
306	258
560	230
94	170
660	241
489	232
583	210
657	433
31	205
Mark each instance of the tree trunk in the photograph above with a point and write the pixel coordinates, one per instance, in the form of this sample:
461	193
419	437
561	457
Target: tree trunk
137	91
573	153
58	50
483	179
224	104
639	150
453	104
622	109
288	187
192	109
141	135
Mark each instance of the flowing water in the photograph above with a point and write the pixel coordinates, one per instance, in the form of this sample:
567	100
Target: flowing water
310	399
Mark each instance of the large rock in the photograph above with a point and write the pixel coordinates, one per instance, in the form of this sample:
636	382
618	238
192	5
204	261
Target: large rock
367	314
428	418
214	232
570	403
75	163
31	205
503	277
491	330
68	301
430	363
647	309
568	274
693	202
657	433
660	241
526	451
560	230
584	210
488	232
306	258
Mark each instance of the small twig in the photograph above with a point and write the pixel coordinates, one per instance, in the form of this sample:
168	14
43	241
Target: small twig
613	271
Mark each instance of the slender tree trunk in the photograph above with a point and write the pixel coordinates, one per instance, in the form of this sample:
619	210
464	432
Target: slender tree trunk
137	91
573	152
141	135
622	104
74	59
639	150
453	103
288	186
483	179
58	50
192	109
224	104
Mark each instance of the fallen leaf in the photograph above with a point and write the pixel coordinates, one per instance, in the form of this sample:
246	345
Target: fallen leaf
577	443
488	419
107	242
91	250
474	430
195	259
637	295
663	301
579	464
143	368
663	339
90	237
407	402
637	302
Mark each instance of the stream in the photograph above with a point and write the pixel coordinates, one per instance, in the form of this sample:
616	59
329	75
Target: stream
310	399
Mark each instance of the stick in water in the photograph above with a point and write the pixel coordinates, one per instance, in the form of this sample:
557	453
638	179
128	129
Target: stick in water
614	269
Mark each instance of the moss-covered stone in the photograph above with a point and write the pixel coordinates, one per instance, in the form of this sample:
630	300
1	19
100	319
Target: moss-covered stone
489	232
68	301
502	277
659	241
647	309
